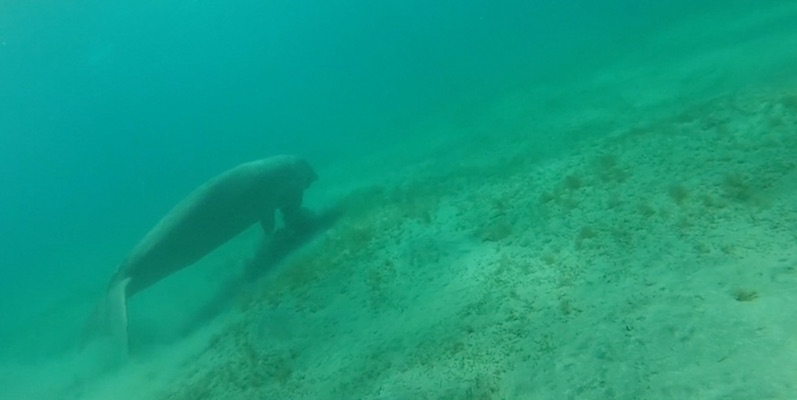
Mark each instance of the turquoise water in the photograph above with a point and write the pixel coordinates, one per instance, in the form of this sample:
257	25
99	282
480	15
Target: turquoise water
551	199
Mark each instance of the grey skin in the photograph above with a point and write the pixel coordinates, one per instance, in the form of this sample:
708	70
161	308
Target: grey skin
207	218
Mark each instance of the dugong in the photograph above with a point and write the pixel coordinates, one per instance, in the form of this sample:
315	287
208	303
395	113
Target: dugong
211	215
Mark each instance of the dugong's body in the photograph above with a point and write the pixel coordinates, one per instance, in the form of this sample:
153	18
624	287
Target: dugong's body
213	214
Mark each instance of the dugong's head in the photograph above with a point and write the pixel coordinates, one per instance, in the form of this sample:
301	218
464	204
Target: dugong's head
304	172
288	170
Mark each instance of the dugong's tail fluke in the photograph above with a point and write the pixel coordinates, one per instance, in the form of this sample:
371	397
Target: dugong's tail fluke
106	329
116	314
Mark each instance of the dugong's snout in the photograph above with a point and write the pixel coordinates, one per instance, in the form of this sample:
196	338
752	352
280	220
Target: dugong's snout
307	172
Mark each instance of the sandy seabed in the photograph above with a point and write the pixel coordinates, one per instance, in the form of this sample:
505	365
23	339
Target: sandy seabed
656	263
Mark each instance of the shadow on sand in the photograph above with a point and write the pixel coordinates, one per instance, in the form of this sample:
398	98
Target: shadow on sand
270	252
